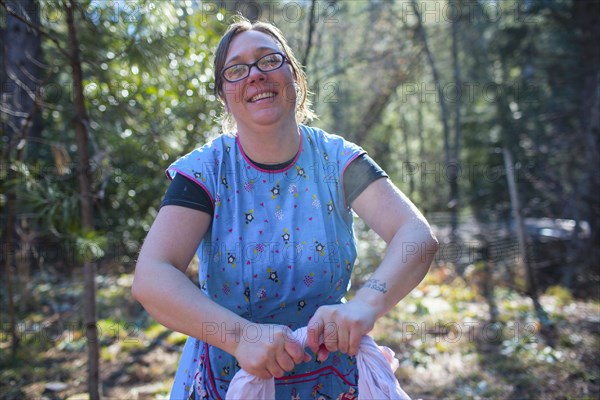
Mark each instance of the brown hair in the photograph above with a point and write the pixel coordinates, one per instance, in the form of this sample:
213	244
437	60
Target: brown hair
240	25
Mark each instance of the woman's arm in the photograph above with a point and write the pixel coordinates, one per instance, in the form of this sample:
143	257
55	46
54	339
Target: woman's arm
411	248
161	286
411	244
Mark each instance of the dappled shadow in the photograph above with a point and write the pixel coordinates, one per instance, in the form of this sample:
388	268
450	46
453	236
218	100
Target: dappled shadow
529	365
143	371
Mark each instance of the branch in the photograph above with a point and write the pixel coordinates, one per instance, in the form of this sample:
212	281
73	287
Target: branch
22	136
36	62
37	28
36	107
436	78
12	113
20	83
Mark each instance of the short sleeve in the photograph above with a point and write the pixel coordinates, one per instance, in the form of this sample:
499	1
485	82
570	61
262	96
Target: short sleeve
359	174
184	192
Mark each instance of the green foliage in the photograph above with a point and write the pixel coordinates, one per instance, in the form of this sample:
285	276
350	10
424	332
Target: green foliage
148	92
561	294
149	95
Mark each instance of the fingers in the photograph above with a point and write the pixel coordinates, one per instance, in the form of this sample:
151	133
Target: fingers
340	327
354	342
284	361
295	352
322	353
315	330
330	337
307	357
343	340
266	373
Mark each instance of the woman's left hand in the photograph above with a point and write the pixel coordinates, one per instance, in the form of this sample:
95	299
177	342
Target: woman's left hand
341	327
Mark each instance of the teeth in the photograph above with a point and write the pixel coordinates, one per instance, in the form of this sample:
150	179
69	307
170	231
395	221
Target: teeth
261	96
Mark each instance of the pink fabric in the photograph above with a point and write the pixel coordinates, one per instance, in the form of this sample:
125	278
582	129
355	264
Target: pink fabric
376	379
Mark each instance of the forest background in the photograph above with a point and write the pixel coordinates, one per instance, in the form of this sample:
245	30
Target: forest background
485	113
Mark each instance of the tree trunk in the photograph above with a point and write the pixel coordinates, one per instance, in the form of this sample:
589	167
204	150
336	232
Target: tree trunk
421	136
22	48
531	283
9	258
20	101
336	106
455	158
309	35
436	80
404	129
80	122
588	22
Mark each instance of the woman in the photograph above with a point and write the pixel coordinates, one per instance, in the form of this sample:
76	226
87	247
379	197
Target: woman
268	209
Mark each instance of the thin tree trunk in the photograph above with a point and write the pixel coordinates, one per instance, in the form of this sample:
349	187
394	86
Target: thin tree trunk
311	30
421	136
436	79
585	18
455	158
20	98
531	283
9	257
404	130
80	122
336	106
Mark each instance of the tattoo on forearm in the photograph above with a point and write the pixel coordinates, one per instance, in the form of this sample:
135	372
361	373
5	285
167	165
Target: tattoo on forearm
376	284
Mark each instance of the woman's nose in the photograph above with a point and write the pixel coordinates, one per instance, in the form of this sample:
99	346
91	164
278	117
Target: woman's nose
255	74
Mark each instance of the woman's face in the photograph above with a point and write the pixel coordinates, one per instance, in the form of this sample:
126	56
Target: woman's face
262	98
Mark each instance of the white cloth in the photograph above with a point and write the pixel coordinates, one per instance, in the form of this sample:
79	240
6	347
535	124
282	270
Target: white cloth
376	379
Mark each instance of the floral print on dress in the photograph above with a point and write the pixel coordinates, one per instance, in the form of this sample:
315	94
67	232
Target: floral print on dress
231	260
351	394
273	275
301	172
275	191
272	255
249	185
330	207
319	248
249	216
301	304
293	190
316	203
309	279
286	236
224	182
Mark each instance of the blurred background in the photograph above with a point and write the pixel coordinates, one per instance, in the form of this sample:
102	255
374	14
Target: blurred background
485	113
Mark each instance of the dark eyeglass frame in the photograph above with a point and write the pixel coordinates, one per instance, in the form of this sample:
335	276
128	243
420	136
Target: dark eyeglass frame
254	64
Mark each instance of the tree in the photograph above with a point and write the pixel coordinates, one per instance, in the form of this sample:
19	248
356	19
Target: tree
444	115
80	123
20	106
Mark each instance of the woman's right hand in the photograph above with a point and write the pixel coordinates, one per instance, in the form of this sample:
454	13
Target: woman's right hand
267	351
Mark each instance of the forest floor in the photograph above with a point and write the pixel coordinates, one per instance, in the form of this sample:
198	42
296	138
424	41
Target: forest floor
441	333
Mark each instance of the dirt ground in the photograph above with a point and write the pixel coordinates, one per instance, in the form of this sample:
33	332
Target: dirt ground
441	333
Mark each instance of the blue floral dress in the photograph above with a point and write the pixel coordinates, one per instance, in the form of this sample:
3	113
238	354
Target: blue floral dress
281	244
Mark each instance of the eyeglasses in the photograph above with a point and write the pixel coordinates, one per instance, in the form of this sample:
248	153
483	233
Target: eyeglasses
267	63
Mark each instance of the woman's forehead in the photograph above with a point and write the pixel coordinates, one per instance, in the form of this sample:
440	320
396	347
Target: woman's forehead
250	44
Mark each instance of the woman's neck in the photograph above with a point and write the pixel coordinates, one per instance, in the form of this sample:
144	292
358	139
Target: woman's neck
270	145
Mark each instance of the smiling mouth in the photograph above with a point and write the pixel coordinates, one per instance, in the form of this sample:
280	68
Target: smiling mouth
262	96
